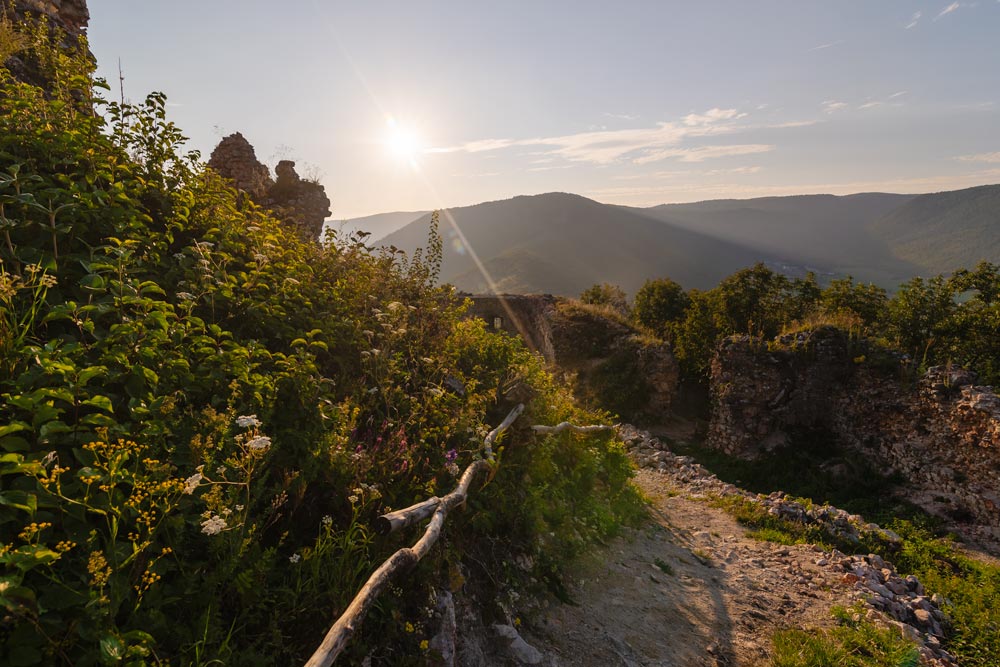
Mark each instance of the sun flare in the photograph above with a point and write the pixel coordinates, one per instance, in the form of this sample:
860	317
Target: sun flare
402	142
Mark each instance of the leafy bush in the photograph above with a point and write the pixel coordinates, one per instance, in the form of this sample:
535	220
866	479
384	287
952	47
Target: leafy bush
202	413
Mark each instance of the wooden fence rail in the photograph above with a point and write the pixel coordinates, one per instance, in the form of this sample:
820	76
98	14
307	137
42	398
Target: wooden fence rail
437	509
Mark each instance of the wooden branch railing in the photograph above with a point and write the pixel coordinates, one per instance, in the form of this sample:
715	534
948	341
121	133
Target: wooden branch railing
437	508
564	426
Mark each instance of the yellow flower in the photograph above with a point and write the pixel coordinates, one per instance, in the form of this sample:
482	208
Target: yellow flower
409	627
423	645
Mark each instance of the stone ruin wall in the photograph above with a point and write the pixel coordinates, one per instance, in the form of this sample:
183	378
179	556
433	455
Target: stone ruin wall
69	17
524	315
558	333
297	202
941	434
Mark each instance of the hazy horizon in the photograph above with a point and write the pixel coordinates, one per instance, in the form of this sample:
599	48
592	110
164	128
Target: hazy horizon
403	107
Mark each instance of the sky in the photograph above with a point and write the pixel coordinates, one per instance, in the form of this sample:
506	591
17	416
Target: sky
404	106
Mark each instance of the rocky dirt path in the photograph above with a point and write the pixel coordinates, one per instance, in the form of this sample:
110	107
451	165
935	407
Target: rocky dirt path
693	589
689	589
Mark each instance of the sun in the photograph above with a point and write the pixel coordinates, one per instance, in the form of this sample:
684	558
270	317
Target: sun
402	143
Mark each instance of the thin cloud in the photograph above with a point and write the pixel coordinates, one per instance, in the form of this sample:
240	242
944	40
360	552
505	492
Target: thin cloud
640	145
899	94
992	158
712	116
475	146
833	106
871	105
621	116
827	46
948	10
702	153
914	20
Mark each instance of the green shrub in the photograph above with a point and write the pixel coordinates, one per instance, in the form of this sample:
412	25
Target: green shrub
201	413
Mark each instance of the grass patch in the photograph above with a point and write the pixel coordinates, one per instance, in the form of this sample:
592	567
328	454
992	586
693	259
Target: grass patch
971	587
853	643
665	567
816	467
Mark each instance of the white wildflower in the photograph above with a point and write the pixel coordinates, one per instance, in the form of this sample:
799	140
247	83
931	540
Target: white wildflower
185	296
394	305
213	525
327	520
239	508
191	483
246	421
48	280
205	244
221	470
353	499
452	468
261	258
179	256
294	558
259	444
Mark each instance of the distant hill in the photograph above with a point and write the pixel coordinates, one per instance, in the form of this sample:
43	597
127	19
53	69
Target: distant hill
826	232
563	243
946	230
379	225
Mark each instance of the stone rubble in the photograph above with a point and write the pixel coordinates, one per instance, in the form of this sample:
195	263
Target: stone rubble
891	600
940	433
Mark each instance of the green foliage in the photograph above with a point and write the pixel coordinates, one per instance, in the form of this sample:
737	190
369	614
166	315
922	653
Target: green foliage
918	314
201	413
868	302
970	587
660	304
854	642
604	294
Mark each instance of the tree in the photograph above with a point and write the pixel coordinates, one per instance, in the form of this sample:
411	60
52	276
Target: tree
659	304
919	312
754	300
605	294
867	301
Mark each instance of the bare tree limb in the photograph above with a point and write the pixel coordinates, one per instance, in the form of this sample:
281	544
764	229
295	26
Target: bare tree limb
404	559
558	428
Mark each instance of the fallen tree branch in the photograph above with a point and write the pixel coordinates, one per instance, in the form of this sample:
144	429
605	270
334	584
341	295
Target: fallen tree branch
558	428
345	627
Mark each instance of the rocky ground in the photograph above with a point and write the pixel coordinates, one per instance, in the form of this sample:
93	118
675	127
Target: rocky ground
692	588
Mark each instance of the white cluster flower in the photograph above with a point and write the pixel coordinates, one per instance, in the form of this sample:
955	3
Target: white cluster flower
48	280
394	306
192	482
353	499
247	421
261	258
213	525
327	520
452	469
239	508
179	256
185	296
259	443
294	558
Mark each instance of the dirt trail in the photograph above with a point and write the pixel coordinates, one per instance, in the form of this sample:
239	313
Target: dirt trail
689	589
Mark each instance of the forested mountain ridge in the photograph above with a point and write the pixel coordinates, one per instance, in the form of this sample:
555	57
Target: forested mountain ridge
563	243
